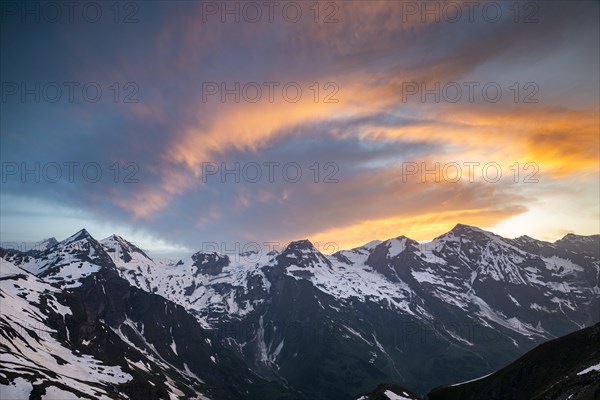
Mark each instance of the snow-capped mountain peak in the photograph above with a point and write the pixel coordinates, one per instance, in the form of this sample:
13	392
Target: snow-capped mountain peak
303	244
302	254
67	262
523	290
398	245
123	252
468	231
82	234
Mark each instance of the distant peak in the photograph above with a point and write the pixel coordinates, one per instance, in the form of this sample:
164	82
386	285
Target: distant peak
401	237
465	227
573	237
46	243
372	244
461	229
304	244
304	254
115	238
589	245
80	235
525	237
124	245
467	231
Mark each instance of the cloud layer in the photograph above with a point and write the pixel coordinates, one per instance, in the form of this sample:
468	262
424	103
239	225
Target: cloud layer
375	103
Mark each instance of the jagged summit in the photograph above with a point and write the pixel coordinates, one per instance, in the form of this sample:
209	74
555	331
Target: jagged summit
302	253
525	238
468	232
303	244
398	245
117	243
114	237
124	249
461	229
82	234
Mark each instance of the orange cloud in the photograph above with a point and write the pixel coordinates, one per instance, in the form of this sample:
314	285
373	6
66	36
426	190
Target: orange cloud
561	142
421	227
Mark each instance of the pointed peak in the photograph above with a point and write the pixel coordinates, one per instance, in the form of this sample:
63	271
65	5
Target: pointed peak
525	238
83	234
464	227
469	232
113	238
302	253
116	243
464	230
400	239
397	245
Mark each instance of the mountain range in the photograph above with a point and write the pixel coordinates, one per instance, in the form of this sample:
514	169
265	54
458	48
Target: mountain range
103	319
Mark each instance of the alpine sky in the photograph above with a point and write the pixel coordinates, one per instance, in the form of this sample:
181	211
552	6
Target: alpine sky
180	122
